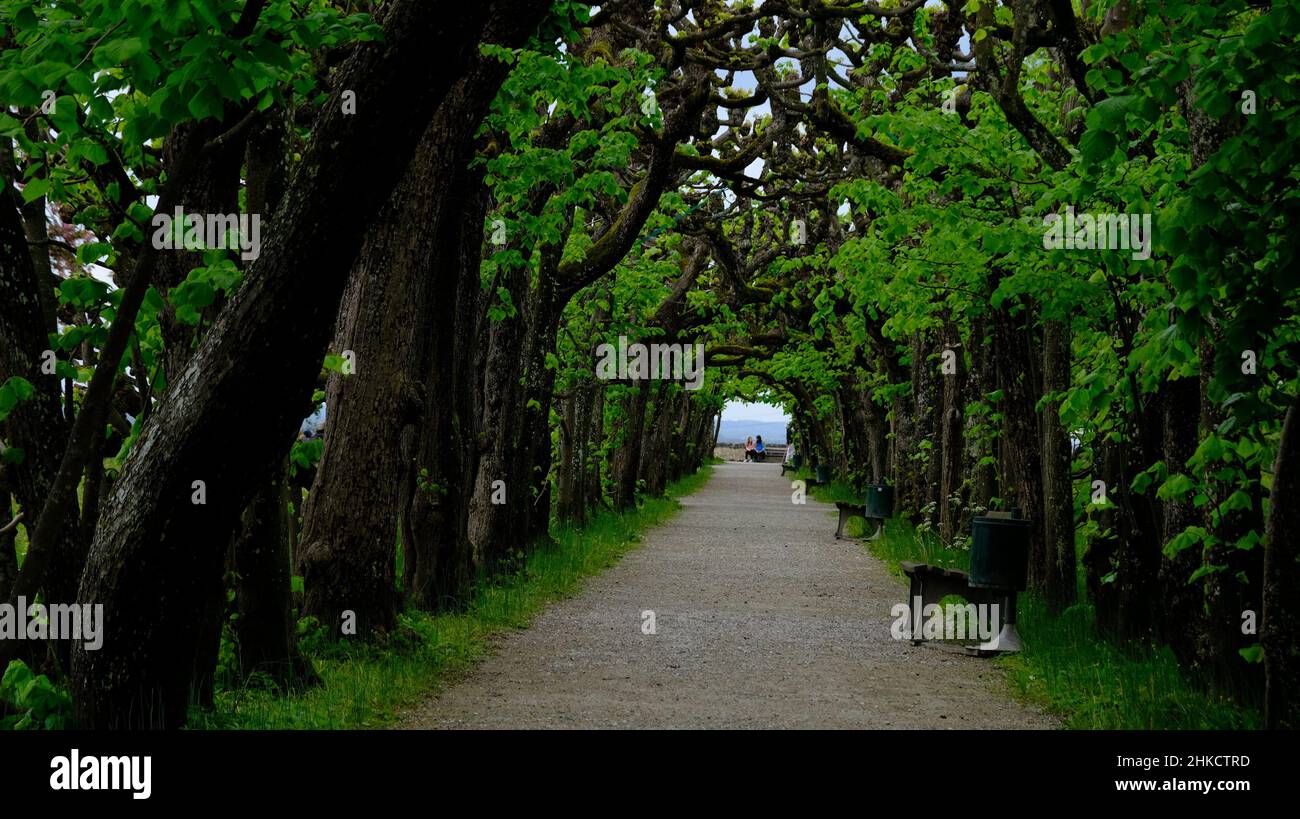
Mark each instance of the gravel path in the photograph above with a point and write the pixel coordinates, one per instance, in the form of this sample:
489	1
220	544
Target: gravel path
763	620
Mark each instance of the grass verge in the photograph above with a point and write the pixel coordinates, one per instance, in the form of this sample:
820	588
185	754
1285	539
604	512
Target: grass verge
368	686
1065	668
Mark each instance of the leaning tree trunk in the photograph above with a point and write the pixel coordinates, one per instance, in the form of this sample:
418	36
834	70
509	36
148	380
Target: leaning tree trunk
264	550
156	547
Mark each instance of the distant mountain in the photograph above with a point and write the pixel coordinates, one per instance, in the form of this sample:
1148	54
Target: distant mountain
735	432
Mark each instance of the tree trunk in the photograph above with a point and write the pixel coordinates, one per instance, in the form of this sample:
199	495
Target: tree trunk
1018	378
446	560
1182	603
1058	490
1237	587
502	454
1099	559
264	631
156	548
1280	627
37	425
984	443
1137	523
347	551
928	461
952	448
627	464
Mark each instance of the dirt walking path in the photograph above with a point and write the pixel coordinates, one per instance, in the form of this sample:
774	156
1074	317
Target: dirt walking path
763	620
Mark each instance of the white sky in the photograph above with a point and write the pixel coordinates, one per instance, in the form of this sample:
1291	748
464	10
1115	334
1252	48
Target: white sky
744	411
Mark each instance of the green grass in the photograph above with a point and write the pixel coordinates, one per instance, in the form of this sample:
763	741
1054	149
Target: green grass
1092	683
368	686
1065	668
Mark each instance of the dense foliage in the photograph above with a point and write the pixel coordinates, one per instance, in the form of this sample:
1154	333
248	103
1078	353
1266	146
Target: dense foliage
850	205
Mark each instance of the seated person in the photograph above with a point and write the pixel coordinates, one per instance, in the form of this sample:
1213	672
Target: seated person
759	452
749	449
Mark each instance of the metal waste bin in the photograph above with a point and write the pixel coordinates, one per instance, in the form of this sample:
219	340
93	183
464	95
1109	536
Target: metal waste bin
999	553
880	501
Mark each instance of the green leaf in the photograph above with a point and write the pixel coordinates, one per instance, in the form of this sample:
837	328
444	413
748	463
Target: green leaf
93	252
35	188
1203	571
117	52
1097	145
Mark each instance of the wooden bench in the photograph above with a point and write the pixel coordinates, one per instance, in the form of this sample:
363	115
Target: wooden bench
932	584
847	511
791	466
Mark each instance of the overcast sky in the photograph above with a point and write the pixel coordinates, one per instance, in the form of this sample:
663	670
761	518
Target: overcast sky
743	411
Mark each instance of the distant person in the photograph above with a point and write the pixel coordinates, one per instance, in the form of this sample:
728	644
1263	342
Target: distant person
789	453
749	449
760	454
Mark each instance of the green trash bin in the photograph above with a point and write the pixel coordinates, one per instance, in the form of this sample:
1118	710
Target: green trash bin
999	553
880	501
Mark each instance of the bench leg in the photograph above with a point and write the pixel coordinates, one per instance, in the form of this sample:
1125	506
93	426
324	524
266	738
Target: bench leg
839	530
879	523
914	591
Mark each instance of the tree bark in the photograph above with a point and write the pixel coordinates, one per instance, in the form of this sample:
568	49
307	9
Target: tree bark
264	631
1183	605
156	548
1061	588
628	462
37	426
1280	626
1099	558
952	447
1019	379
446	560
